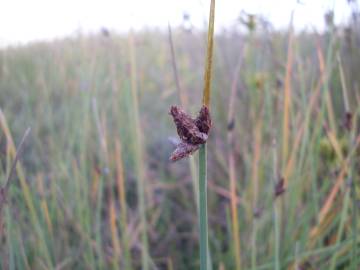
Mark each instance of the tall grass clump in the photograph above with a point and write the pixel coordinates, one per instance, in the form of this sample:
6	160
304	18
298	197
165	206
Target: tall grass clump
94	188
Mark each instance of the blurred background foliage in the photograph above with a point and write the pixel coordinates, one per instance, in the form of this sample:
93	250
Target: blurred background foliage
74	202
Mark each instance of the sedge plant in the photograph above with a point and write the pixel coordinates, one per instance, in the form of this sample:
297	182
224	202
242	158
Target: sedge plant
193	134
202	152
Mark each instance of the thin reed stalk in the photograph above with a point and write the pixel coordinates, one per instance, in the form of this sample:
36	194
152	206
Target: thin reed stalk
287	97
139	161
182	95
340	231
276	214
351	139
114	235
255	189
184	104
232	167
203	221
184	100
203	208
123	207
354	260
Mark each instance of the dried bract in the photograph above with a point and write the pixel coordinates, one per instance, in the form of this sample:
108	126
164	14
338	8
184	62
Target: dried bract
183	150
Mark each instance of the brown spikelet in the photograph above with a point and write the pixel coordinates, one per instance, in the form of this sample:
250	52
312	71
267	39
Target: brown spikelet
192	132
280	187
348	121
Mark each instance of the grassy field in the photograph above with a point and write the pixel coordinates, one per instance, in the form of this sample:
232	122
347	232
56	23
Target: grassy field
94	181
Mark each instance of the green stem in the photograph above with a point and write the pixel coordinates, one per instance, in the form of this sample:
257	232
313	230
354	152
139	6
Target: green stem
277	236
276	214
354	225
203	208
253	246
340	231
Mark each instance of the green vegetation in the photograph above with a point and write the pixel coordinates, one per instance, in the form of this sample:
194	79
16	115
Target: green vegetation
94	188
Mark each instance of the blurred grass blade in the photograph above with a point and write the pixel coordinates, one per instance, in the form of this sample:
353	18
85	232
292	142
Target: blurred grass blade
139	160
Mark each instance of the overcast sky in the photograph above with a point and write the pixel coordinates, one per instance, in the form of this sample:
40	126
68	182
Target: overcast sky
27	20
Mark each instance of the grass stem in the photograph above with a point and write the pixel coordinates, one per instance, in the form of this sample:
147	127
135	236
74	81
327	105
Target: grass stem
276	213
204	263
203	208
